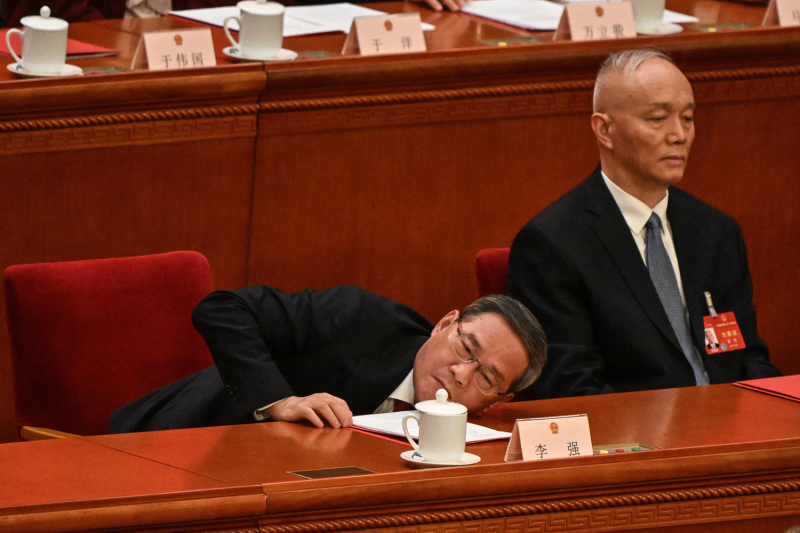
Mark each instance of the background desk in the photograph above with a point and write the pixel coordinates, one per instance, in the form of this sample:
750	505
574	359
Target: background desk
386	172
729	462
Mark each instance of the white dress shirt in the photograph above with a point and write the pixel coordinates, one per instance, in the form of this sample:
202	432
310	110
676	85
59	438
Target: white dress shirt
636	214
404	392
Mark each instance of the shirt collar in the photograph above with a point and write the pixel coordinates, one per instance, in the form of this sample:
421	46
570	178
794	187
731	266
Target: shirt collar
405	391
636	212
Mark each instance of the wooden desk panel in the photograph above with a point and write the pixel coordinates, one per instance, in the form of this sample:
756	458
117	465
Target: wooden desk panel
74	485
729	460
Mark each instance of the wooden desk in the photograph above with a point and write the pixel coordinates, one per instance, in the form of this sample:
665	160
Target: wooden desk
729	460
389	172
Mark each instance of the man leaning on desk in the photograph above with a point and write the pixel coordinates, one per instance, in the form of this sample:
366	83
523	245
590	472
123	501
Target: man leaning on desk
616	269
323	356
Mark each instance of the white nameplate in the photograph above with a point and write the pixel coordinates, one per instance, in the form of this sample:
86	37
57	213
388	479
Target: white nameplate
594	22
552	437
392	34
782	13
177	49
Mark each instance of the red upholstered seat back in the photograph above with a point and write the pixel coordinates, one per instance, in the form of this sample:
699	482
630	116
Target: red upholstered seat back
90	336
491	269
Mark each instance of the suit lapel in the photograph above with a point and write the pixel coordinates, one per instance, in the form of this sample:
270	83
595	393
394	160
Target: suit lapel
375	378
614	233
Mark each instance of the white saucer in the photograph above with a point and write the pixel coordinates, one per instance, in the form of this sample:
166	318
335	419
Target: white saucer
413	457
666	28
66	71
236	53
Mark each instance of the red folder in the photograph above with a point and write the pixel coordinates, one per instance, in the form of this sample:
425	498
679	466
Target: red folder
784	386
75	49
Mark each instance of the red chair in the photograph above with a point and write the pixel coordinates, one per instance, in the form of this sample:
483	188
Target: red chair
491	269
90	336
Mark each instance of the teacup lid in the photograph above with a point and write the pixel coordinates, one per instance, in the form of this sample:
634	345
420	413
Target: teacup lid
440	406
261	7
44	21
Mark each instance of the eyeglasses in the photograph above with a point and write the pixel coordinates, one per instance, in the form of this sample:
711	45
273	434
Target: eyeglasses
467	353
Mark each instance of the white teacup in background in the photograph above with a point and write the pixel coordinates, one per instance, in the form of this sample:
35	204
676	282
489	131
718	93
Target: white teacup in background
44	43
260	28
648	15
442	429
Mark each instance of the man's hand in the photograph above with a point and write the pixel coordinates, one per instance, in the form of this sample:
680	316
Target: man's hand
452	5
317	408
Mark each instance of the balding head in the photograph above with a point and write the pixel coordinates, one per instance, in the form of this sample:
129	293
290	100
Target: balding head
619	65
643	120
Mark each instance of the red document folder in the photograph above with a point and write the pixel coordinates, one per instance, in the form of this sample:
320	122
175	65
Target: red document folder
75	49
784	386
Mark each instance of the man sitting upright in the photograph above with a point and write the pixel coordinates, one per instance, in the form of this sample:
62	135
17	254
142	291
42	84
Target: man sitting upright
616	269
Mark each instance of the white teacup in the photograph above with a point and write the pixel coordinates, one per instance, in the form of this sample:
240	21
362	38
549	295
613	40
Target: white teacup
442	429
260	28
648	15
44	43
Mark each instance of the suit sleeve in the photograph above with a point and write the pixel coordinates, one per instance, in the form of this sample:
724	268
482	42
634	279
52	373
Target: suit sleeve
251	332
549	284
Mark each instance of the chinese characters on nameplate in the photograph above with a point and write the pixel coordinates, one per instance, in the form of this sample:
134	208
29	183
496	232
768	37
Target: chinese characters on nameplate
392	34
553	437
782	13
593	22
178	49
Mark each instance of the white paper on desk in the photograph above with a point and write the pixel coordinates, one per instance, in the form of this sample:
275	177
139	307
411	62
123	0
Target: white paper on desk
392	424
215	16
297	20
210	15
527	14
673	17
339	16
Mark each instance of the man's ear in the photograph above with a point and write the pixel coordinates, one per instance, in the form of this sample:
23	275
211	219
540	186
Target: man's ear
445	322
601	123
500	401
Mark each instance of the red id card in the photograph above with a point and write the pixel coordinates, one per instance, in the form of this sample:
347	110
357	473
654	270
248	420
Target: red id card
722	334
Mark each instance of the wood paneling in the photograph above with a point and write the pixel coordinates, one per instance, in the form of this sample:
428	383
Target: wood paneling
131	166
728	459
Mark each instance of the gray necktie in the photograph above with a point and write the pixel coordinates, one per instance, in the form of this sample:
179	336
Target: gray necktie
663	276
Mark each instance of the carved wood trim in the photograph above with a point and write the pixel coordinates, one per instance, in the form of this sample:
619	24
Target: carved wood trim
128	118
426	96
504	101
586	514
79	133
232	530
501	91
743	74
499	105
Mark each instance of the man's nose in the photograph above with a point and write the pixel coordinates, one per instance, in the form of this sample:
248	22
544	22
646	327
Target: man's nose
677	131
463	372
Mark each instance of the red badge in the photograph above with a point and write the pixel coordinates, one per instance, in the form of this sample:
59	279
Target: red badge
722	333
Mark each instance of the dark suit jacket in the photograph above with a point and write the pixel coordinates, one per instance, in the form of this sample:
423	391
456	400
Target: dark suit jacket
577	267
268	345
